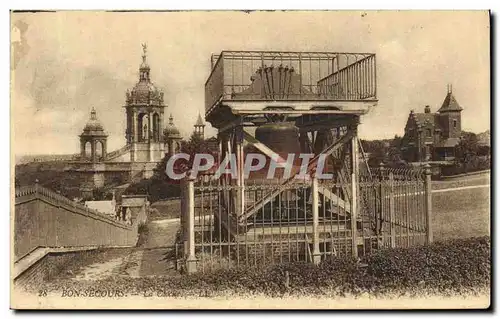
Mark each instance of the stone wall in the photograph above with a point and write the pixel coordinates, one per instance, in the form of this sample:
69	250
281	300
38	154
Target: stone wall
47	219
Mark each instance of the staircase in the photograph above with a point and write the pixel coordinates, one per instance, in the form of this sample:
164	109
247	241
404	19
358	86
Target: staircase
119	152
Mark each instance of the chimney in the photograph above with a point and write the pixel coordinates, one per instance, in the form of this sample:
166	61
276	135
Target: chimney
427	109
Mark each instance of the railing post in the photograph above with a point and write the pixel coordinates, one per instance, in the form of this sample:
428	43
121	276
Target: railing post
392	213
381	207
428	206
189	211
183	237
315	212
240	207
354	193
183	213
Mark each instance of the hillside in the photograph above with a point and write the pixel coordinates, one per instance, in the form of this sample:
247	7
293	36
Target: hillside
50	174
25	159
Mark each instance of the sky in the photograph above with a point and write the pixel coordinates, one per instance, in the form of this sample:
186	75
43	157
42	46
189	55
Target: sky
65	63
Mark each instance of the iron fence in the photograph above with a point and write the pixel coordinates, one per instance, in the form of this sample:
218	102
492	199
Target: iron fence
306	220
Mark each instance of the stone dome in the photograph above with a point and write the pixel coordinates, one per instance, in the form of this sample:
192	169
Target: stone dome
170	130
93	126
144	92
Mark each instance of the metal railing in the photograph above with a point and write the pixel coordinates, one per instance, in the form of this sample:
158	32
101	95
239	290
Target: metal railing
311	76
308	220
118	152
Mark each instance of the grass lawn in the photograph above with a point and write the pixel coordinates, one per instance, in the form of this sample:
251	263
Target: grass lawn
461	213
479	179
166	209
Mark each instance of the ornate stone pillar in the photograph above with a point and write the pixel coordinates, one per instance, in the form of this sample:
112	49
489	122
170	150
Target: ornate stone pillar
134	136
82	148
104	148
150	137
160	127
93	152
134	126
150	126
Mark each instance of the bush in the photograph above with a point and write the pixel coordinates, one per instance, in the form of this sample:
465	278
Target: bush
157	189
446	266
474	164
459	266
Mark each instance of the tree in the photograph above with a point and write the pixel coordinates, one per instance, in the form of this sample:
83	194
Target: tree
376	150
395	157
160	185
467	148
468	156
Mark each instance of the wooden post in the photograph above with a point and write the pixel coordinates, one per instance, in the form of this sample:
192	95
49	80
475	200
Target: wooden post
354	194
382	196
392	213
191	257
240	208
184	204
316	255
428	206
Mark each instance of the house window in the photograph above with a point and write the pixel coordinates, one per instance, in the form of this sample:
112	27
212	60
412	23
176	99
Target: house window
429	132
455	123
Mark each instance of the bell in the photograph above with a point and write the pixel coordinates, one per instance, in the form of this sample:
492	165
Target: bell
283	139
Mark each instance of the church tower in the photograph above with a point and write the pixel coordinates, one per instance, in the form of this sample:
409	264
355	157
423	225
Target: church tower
199	128
144	108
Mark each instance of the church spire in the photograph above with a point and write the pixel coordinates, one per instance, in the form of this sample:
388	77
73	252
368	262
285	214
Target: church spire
199	122
199	127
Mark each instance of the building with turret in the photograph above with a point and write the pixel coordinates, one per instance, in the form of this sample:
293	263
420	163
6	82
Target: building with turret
147	140
144	109
433	136
93	140
172	137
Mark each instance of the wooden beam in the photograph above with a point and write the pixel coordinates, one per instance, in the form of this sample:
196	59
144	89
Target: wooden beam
261	147
335	199
227	126
323	124
302	106
300	112
329	150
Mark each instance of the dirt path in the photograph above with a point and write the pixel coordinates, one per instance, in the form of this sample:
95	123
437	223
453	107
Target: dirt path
155	257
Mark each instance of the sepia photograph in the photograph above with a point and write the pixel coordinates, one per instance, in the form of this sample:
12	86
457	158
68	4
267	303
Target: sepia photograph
250	160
